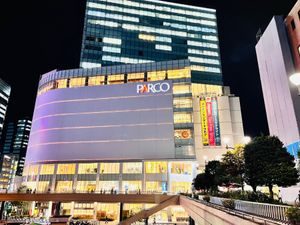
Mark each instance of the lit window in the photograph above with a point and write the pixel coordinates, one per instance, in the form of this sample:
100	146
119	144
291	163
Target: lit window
135	77
181	168
182	103
179	74
132	167
206	89
90	65
116	41
43	186
205	69
103	23
77	82
111	49
163	39
85	186
182	117
204	60
202	52
87	168
181	89
108	185
133	186
66	169
202	44
63	186
156	167
47	169
109	168
156	75
115	79
61	83
163	47
97	80
146	37
33	170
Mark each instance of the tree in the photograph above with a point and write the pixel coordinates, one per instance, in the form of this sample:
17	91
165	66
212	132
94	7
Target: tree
233	164
268	163
214	174
201	182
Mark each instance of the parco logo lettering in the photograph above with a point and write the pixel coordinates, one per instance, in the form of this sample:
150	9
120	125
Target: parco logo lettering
153	88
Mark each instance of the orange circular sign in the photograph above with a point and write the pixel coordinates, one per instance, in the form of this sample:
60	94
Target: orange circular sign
185	134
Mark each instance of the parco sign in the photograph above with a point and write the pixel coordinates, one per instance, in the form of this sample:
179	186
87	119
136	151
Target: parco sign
153	88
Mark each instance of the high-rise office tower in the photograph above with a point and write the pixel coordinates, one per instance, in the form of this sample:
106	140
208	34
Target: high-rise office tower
15	141
4	97
278	58
139	31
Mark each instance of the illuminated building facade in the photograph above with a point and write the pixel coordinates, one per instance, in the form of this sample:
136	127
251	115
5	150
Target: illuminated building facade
140	31
127	128
4	97
15	141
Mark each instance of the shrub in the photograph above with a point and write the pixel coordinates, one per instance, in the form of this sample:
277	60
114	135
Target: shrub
228	203
206	198
293	214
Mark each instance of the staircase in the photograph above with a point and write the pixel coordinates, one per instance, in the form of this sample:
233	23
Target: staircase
144	214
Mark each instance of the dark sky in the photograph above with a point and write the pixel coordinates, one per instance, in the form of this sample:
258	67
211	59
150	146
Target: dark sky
37	36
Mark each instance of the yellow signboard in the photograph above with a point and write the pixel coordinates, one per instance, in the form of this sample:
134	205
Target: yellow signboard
203	114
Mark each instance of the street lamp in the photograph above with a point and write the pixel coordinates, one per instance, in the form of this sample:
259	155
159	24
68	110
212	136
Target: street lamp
295	79
247	139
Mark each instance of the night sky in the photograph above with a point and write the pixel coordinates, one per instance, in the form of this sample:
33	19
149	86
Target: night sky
39	36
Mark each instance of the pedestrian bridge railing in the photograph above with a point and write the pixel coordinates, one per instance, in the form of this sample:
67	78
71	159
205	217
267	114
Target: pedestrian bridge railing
270	211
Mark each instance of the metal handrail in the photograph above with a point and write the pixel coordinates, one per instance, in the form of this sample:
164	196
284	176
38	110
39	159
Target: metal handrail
265	210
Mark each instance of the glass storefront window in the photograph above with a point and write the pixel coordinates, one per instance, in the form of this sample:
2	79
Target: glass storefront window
153	186
87	168
181	89
63	186
66	168
97	80
183	134
66	208
179	186
47	169
182	103
181	168
132	167
156	167
109	168
182	117
131	186
135	77
43	186
85	186
107	186
156	75
84	211
115	79
179	74
62	83
33	170
131	209
108	210
77	82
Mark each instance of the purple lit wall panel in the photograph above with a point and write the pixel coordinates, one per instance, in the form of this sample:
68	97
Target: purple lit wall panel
113	135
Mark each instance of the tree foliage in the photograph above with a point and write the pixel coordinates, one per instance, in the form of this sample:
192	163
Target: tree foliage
268	163
233	164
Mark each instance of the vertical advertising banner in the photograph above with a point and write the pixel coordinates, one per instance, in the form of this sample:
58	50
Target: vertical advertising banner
216	121
204	122
210	122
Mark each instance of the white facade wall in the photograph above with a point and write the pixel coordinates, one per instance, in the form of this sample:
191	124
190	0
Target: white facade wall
231	129
275	66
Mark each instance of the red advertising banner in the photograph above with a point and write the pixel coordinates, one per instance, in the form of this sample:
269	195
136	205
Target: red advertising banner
210	122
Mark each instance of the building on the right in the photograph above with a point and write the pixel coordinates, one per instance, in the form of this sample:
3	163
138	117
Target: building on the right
278	56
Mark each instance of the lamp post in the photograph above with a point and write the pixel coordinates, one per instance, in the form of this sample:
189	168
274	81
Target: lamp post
295	79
